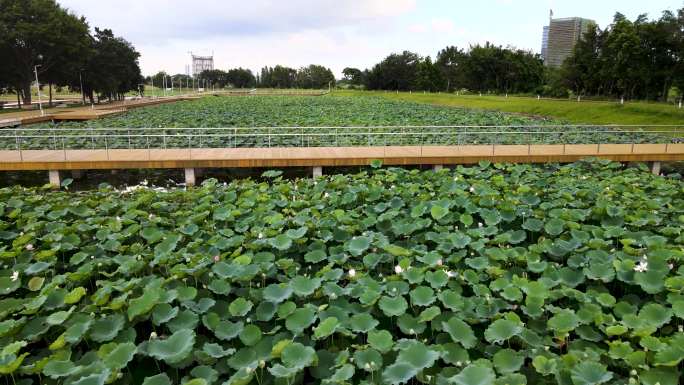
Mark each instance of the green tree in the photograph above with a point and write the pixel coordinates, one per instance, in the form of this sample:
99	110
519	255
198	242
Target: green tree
240	78
314	77
40	32
452	62
215	77
395	72
113	68
428	76
353	76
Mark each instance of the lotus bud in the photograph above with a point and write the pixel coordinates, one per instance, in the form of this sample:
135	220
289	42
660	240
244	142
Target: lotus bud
472	189
119	375
262	363
29	247
366	366
352	273
398	269
153	335
261	235
15	275
411	331
459	363
479	224
249	320
633	372
439	262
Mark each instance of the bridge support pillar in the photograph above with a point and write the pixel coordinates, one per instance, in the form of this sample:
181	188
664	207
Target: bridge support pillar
437	167
55	181
655	168
317	171
189	177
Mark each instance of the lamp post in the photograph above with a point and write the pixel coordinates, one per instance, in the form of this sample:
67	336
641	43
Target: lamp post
40	101
80	80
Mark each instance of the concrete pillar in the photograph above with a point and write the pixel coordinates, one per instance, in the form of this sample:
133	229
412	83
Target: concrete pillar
76	174
437	167
55	181
114	172
655	168
317	171
189	176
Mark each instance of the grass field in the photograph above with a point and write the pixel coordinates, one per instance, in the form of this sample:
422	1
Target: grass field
586	112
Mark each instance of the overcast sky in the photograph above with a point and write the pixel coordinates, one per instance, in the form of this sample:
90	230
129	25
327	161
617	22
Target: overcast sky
334	33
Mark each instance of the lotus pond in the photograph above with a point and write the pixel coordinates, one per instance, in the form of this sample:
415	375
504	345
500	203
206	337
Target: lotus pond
214	121
493	274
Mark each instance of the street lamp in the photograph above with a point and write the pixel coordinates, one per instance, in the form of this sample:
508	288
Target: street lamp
81	81
40	101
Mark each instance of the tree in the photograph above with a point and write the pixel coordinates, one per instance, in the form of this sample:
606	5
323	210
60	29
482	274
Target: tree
452	62
395	72
40	32
214	77
240	78
353	76
113	68
428	76
314	76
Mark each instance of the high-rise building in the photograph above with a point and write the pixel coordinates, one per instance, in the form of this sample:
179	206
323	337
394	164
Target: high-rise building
560	38
201	63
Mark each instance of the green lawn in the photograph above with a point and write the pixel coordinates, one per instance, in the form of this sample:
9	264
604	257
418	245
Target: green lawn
585	112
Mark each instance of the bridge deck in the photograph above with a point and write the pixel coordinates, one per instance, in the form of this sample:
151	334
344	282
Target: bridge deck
329	156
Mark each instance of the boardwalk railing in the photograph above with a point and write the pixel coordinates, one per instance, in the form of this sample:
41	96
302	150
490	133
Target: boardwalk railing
21	139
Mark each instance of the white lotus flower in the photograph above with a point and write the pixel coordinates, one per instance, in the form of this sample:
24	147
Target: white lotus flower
326	195
641	267
367	365
411	331
261	235
29	247
352	273
15	275
262	363
439	262
479	224
153	335
459	363
472	189
398	269
451	274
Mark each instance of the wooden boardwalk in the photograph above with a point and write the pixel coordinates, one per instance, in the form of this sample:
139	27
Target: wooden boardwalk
13	160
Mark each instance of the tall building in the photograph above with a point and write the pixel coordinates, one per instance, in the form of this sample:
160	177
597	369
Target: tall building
201	63
560	38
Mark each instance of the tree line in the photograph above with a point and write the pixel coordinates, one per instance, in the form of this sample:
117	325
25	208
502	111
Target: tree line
638	59
311	77
39	38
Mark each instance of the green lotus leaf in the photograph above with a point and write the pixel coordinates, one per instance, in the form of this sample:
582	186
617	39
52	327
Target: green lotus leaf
662	376
173	349
563	322
651	281
357	245
511	379
281	371
554	226
369	360
459	239
159	379
380	340
75	295
240	307
226	330
315	256
300	319
281	242
57	369
36	283
326	328
107	328
363	323
152	234
422	296
197	381
502	330
92	379
186	319
219	286
418	355
277	292
304	286
590	373
163	313
117	356
250	335
397	251
655	315
298	356
393	306
399	373
492	217
508	361
474	375
460	332
429	314
533	224
341	375
37	267
216	350
9	285
438	212
145	303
